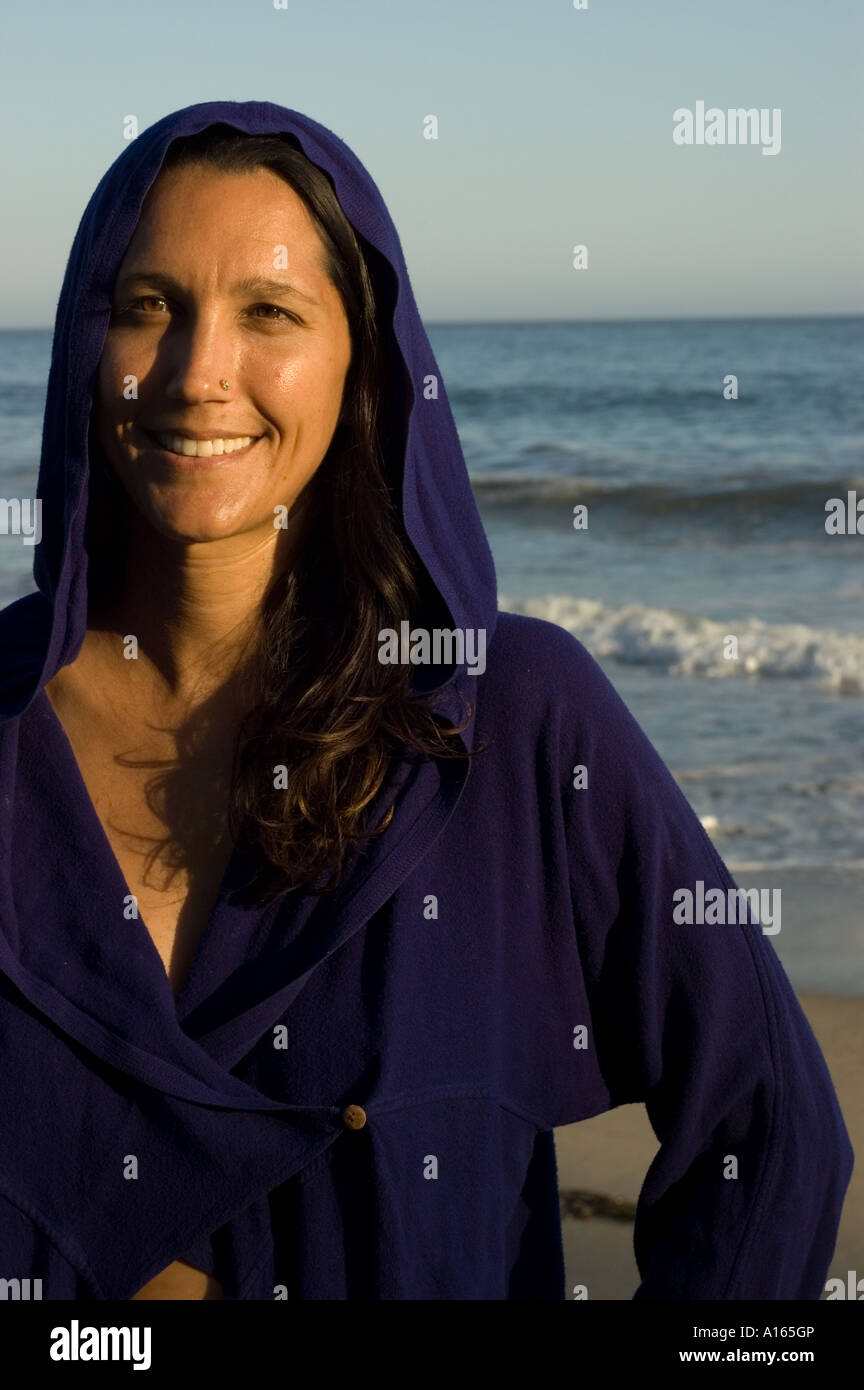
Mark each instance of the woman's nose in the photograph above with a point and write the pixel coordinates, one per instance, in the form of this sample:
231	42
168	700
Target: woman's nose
201	360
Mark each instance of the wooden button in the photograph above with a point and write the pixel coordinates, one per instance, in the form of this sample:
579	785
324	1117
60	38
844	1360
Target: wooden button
354	1116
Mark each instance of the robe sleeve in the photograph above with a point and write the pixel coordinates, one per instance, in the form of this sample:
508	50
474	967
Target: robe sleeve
699	1022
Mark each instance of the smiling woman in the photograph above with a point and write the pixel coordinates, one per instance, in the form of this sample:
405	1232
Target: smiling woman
236	403
305	950
201	568
206	470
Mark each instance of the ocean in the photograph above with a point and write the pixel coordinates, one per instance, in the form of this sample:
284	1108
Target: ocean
705	520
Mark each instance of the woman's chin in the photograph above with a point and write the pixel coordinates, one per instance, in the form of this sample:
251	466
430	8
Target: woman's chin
194	521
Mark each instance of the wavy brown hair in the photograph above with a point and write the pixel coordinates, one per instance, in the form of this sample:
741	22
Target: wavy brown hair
326	710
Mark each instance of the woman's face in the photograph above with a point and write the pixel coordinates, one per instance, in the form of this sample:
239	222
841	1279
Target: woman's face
223	279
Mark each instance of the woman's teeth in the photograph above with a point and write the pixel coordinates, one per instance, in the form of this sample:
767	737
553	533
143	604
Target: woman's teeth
201	448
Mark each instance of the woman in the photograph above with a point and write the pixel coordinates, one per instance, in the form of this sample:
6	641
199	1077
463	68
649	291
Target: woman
328	891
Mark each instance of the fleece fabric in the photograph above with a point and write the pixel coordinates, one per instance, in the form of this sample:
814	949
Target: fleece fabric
354	1095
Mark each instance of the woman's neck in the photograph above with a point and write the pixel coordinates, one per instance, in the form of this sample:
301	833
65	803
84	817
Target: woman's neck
188	615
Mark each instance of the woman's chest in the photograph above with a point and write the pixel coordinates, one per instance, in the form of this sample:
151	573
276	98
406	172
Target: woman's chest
173	859
164	817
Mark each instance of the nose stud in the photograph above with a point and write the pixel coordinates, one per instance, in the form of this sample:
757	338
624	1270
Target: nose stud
224	383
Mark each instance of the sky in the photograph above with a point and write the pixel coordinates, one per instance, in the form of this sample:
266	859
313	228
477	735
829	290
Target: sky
555	130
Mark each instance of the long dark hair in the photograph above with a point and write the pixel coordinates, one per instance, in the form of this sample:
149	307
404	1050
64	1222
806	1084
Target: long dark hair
326	712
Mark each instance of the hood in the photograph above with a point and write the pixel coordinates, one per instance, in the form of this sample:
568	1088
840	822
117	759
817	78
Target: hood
43	631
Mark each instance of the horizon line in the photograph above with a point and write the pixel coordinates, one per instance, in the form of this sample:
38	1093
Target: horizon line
646	318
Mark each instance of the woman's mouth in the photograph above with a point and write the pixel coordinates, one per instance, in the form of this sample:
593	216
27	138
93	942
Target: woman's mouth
182	451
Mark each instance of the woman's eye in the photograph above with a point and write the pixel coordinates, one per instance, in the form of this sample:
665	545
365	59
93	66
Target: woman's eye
147	301
273	311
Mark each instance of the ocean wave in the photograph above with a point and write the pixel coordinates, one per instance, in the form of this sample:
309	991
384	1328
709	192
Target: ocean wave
684	644
551	491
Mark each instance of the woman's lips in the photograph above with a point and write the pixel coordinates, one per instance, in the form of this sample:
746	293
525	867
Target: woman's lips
194	463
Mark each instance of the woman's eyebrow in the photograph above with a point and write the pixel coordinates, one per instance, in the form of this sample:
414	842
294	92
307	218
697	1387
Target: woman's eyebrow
254	285
249	285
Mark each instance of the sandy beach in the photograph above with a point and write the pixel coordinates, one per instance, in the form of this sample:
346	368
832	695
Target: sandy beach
610	1154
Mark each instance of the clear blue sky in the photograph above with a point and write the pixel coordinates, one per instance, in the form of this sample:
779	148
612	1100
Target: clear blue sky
555	128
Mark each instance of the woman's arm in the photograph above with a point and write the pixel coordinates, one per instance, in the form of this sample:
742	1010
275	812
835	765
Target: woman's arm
700	1022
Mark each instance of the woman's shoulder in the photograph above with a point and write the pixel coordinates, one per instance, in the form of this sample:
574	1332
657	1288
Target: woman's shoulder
538	665
537	640
543	686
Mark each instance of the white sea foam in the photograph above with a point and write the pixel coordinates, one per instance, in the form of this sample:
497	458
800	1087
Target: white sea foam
683	644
